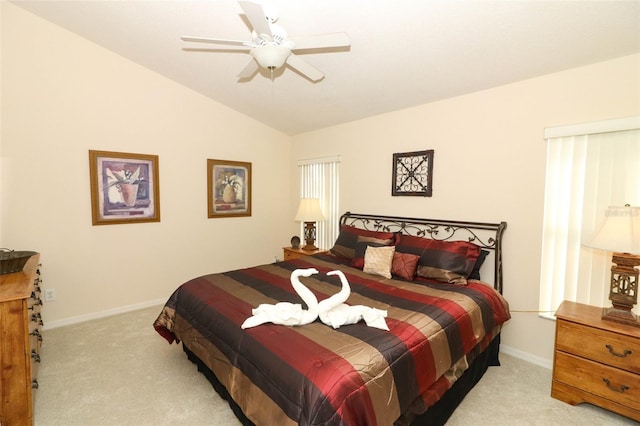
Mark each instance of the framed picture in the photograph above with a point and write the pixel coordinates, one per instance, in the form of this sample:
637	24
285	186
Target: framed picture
124	187
229	188
412	173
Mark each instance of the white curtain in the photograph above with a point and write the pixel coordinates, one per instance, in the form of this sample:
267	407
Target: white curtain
585	174
319	178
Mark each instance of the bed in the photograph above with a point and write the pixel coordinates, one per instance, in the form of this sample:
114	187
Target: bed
440	287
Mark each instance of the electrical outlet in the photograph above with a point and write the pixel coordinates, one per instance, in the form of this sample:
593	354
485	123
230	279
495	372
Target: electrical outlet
49	295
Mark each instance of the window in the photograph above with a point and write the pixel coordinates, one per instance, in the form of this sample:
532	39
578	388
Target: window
589	167
319	179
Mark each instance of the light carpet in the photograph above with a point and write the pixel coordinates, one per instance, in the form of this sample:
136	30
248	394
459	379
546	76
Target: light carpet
118	371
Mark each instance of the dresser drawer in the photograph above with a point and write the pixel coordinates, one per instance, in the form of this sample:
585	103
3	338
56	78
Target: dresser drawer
599	345
607	382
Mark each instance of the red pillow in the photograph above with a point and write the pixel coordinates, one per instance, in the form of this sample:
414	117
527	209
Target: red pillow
405	265
447	261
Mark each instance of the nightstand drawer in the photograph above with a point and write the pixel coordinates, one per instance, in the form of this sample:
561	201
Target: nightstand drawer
291	253
599	345
288	255
615	385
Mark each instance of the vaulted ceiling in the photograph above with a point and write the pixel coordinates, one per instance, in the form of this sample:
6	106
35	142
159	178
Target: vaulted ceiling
403	53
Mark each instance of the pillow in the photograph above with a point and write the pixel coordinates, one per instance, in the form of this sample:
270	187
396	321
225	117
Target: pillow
377	260
347	239
404	265
447	261
475	273
361	247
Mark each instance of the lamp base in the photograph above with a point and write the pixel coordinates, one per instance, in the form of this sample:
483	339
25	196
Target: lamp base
620	316
309	236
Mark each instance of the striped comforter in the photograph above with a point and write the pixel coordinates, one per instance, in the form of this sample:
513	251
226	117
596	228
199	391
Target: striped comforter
315	375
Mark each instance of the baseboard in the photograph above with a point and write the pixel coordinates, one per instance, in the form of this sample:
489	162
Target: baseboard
103	314
525	356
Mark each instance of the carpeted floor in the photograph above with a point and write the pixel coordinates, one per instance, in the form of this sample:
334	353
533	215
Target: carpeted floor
118	371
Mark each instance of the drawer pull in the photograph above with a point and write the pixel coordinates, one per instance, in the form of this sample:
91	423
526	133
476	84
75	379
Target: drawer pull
618	354
37	318
621	389
37	334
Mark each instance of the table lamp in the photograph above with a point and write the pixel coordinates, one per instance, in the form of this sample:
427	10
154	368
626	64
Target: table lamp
309	212
619	232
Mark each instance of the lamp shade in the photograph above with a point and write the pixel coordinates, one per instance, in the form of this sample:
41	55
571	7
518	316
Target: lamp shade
309	210
619	231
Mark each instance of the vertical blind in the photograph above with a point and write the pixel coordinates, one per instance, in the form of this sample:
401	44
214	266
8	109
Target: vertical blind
319	178
586	173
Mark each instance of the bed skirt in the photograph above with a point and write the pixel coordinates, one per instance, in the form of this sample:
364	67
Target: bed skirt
436	415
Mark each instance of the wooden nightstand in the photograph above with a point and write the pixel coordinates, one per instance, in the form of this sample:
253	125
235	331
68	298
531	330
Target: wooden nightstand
294	253
596	361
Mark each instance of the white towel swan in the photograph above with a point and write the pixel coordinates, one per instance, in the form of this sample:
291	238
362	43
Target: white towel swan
286	313
335	313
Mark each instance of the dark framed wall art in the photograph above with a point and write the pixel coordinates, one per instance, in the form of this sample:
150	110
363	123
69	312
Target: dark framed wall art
124	187
413	173
228	188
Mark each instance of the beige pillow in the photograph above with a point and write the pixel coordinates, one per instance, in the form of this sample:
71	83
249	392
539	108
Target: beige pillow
378	260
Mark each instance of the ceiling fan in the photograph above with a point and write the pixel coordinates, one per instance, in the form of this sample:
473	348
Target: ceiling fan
270	46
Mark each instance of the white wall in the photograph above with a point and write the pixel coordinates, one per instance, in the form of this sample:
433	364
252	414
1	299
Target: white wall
1	44
489	165
61	97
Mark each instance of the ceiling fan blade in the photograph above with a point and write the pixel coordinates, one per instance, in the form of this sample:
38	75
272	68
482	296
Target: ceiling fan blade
321	41
222	50
218	41
256	17
249	70
303	67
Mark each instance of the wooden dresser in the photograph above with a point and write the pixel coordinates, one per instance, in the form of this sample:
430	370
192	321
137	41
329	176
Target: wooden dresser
20	339
596	361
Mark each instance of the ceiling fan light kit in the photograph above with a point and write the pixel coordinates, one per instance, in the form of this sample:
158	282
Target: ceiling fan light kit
270	56
270	46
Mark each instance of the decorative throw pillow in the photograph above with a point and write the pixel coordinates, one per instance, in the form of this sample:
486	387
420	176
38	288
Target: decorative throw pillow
447	261
405	265
361	247
347	239
377	260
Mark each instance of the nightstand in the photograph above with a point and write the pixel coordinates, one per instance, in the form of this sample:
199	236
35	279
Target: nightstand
596	361
294	253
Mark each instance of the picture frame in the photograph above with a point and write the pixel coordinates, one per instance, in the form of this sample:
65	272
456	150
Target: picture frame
412	173
125	187
228	188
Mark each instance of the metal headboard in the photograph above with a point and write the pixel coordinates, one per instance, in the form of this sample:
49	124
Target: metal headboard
486	235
